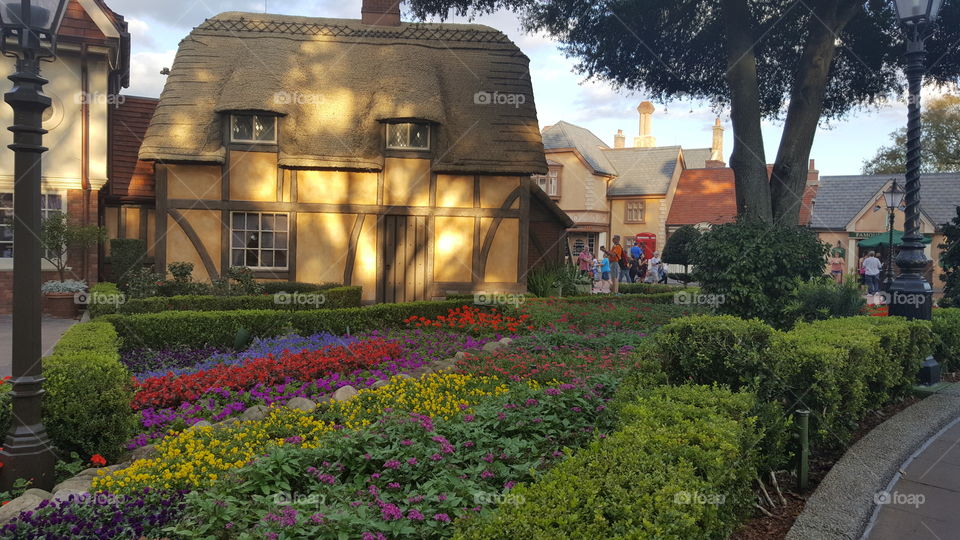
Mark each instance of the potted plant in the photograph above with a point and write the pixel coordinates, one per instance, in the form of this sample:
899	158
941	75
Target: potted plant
61	299
58	236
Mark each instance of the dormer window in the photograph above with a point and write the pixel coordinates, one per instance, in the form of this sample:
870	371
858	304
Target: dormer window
408	136
253	128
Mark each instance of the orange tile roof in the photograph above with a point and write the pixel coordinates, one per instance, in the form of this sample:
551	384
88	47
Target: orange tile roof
704	196
709	196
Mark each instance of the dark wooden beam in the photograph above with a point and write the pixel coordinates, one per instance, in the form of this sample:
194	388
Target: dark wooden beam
195	240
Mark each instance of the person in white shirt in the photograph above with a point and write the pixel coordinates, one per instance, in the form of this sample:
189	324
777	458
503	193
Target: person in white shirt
871	269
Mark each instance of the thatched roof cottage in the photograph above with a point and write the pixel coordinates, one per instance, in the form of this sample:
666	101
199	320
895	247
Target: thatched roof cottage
390	155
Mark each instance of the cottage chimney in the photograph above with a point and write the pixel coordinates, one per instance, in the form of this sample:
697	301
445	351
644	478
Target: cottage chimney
380	12
716	148
619	141
645	140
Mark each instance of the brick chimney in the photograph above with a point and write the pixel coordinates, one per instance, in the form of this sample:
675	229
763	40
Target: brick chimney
645	140
380	12
619	141
813	175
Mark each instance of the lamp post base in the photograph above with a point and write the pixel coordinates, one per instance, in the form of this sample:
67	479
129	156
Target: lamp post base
911	297
929	372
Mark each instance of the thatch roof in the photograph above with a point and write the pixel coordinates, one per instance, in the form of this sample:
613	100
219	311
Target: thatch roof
339	80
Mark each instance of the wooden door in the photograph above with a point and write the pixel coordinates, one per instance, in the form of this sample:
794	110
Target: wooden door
404	247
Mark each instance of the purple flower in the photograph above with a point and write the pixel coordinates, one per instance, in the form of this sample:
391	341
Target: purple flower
552	392
414	515
436	457
394	485
509	484
487	474
469	418
411	461
442	497
392	464
441	517
406	442
390	512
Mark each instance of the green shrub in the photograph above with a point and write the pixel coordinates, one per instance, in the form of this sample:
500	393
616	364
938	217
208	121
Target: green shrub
273	287
754	266
946	326
648	288
219	328
679	248
341	297
104	298
677	445
821	298
86	407
126	256
543	280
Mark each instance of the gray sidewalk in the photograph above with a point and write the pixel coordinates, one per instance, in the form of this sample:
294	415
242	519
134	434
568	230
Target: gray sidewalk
924	503
52	330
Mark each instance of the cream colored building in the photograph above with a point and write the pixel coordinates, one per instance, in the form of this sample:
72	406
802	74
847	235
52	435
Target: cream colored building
91	67
617	190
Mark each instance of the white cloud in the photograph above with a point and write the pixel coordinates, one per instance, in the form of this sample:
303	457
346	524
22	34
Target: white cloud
145	77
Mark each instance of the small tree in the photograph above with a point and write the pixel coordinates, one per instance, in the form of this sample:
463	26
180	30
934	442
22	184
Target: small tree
680	245
950	262
58	236
754	267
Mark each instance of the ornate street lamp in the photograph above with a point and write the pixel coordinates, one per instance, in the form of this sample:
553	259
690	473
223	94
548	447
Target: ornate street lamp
911	295
893	196
29	30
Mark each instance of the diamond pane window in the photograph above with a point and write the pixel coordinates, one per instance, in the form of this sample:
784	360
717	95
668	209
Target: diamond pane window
253	128
259	240
408	136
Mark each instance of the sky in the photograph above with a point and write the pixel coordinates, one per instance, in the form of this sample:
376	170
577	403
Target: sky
560	92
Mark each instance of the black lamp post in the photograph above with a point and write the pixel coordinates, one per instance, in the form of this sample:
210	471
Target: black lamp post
28	34
911	295
893	196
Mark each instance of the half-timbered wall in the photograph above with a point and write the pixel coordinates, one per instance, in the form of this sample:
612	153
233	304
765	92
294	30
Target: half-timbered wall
403	234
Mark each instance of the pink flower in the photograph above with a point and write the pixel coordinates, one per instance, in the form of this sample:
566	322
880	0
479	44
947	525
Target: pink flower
411	461
509	484
469	418
392	464
406	442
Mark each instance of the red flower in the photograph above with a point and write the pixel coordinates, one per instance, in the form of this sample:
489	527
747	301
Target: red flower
98	460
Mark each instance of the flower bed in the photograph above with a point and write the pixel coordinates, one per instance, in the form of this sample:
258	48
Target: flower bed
475	321
554	363
197	456
407	475
143	515
271	370
217	403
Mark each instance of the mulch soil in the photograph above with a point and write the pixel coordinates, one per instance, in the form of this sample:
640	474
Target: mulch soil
778	524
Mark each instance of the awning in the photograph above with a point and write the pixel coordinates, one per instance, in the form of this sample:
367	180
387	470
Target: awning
881	239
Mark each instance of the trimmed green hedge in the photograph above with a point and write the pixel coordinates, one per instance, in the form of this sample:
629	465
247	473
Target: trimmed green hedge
330	298
680	467
946	325
648	288
86	406
104	298
273	287
340	297
840	369
219	328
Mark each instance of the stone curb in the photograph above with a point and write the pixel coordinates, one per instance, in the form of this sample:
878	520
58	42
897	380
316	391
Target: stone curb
80	484
843	505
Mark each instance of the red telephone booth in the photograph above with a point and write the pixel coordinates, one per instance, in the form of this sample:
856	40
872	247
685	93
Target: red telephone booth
648	242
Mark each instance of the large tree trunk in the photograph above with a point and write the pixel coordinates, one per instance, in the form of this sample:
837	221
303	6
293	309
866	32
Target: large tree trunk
747	160
789	178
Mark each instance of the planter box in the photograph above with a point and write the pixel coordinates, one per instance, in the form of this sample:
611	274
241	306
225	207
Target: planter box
60	305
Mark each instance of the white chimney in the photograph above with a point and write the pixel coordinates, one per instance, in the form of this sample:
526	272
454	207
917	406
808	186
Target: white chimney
716	149
619	141
645	140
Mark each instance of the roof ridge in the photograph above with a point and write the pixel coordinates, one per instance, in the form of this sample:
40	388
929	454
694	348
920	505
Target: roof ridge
318	26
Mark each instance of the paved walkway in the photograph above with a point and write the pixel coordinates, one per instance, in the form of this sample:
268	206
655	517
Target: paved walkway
51	328
924	502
